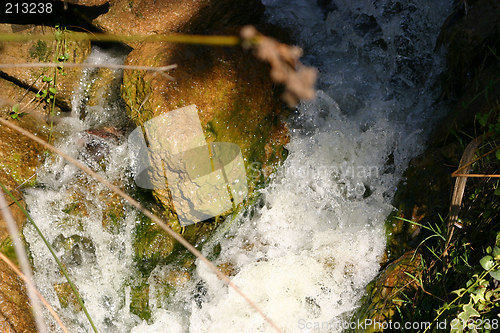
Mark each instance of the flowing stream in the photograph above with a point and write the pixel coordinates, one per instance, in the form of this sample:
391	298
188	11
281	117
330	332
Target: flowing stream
305	253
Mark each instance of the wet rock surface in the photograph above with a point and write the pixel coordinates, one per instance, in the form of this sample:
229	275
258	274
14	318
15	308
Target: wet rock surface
15	315
19	158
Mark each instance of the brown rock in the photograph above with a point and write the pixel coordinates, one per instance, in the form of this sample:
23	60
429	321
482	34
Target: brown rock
86	2
15	315
34	112
147	17
43	51
19	156
231	89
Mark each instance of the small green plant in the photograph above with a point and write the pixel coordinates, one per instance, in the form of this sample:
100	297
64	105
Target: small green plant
49	93
16	112
478	304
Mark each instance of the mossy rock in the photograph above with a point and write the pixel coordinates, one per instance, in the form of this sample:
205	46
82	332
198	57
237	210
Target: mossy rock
151	245
34	51
232	91
236	103
67	297
75	250
139	299
386	292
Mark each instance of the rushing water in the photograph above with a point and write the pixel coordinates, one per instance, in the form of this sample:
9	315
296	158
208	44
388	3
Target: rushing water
307	252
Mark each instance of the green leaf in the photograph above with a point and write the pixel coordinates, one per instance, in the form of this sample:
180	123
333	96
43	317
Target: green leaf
497	191
468	312
53	90
487	262
47	79
456	326
459	291
496	274
63	57
478	295
497	154
488	295
482	118
496	252
14	115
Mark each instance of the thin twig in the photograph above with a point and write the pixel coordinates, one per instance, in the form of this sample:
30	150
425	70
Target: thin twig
96	37
474	175
27	180
24	263
455	173
111	66
42	299
146	212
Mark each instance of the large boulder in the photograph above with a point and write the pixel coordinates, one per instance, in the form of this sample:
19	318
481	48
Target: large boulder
36	51
19	158
230	88
147	17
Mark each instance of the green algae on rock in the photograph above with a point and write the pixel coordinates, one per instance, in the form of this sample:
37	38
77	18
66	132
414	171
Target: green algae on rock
387	292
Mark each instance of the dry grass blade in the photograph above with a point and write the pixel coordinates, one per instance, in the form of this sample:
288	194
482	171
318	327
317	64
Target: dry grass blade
461	181
146	212
101	37
24	263
475	175
42	299
85	65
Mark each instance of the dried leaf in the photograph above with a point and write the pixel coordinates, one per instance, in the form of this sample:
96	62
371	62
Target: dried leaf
286	68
